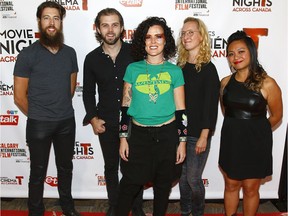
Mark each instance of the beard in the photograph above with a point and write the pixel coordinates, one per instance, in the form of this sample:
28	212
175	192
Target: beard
111	41
56	40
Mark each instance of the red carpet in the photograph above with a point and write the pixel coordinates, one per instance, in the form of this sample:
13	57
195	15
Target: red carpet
52	213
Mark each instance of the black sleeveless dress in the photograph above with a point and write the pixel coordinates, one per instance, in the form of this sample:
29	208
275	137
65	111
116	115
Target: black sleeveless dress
246	135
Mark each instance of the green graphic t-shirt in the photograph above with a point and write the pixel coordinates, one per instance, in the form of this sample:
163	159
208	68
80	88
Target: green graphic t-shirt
153	91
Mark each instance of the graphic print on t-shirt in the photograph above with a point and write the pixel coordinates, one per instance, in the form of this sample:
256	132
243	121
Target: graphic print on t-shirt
159	84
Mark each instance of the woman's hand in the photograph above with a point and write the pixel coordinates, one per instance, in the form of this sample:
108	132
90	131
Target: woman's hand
201	145
124	149
181	153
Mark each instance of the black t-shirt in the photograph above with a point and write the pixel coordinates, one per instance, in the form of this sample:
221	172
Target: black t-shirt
201	97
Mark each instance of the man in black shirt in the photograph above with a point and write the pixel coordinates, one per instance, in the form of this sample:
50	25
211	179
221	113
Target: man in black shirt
105	67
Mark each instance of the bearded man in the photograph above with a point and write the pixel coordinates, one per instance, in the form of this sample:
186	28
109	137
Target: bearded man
45	77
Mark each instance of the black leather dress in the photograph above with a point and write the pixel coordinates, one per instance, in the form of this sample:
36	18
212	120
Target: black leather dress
246	135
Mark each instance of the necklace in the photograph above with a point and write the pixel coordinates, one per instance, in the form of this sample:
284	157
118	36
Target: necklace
153	96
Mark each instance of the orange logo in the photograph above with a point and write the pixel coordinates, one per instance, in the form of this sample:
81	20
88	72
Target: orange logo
131	3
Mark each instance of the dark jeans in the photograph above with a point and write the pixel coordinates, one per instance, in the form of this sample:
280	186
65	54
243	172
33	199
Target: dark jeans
152	156
40	135
192	190
110	142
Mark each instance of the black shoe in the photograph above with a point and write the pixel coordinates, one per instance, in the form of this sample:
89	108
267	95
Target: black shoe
111	211
138	212
71	213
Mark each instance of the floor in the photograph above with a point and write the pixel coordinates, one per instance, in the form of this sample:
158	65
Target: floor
83	205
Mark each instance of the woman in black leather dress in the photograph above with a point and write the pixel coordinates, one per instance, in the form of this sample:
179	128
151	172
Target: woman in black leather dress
246	137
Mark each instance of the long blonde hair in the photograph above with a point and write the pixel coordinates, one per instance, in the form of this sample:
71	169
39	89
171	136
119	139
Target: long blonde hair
204	55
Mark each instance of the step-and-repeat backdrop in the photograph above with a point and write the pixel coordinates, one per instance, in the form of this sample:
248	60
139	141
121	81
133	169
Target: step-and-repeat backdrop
264	20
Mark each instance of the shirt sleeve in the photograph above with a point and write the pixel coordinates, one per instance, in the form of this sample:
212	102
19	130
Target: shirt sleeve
211	98
74	62
179	79
128	75
89	91
22	68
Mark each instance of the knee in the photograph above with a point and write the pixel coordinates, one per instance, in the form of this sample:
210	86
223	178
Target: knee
65	169
37	174
232	187
195	182
250	191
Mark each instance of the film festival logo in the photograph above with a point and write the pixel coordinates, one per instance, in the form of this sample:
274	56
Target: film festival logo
219	44
252	6
12	150
83	151
12	181
13	41
101	181
199	7
7	9
72	5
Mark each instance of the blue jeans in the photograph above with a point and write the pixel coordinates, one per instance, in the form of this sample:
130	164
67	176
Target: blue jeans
192	190
40	135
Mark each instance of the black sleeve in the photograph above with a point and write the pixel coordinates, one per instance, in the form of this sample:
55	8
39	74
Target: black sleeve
89	91
211	98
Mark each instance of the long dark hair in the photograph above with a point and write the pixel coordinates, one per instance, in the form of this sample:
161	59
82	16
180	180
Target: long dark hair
138	38
257	74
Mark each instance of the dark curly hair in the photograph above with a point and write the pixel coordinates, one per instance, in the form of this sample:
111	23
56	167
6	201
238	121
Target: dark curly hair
138	38
257	74
108	12
50	4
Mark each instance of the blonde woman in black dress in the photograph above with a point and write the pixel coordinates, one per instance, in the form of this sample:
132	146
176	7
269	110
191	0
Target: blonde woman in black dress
246	137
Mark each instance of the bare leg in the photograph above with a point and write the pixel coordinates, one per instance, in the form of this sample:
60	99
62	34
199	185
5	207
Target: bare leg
250	196
231	195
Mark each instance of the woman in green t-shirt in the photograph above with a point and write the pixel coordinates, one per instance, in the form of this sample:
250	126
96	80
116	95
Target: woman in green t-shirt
153	99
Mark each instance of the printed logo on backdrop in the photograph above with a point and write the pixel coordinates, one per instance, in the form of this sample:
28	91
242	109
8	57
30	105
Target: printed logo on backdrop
218	45
13	150
12	41
128	35
12	181
7	9
252	6
78	90
83	151
52	181
6	89
101	181
131	3
256	33
73	5
205	182
199	7
10	118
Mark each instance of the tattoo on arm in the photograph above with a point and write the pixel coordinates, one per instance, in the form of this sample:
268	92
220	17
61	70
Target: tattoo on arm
127	96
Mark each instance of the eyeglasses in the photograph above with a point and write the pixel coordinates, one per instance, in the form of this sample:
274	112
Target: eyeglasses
159	38
189	33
